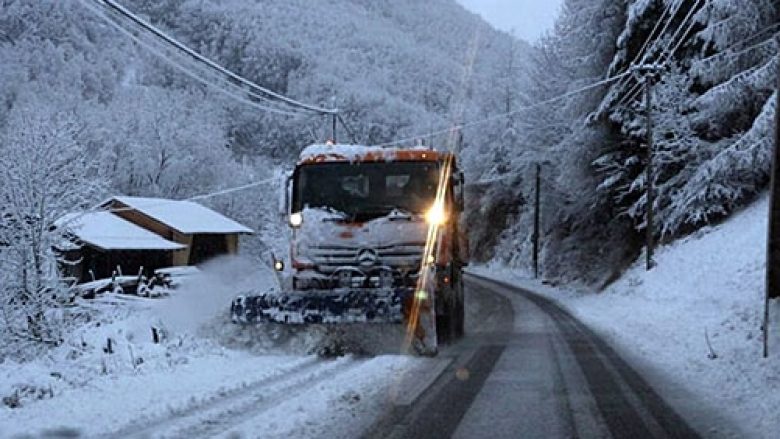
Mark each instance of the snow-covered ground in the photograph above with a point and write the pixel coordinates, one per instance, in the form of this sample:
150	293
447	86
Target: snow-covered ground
207	372
201	380
709	285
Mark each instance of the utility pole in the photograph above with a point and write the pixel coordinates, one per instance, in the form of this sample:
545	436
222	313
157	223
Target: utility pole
537	214
773	235
333	130
649	169
650	74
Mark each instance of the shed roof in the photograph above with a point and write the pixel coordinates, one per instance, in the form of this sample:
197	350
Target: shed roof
183	216
107	231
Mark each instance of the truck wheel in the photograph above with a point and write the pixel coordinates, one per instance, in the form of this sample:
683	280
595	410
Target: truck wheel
446	322
444	326
460	309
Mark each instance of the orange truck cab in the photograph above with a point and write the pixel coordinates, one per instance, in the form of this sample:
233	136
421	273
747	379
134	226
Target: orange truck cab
375	237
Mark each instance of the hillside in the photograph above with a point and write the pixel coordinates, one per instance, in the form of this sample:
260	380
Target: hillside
713	107
395	69
86	112
695	319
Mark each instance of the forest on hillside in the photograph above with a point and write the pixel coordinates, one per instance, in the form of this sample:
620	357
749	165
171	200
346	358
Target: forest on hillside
85	113
713	111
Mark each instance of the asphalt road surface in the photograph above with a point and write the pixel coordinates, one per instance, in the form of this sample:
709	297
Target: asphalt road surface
528	369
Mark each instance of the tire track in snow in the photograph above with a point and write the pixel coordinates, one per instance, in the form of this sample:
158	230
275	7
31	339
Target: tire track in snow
146	426
226	412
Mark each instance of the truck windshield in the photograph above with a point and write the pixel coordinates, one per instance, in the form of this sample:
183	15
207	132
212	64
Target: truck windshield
366	190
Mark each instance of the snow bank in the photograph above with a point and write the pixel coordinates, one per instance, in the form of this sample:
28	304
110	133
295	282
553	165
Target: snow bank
707	286
205	369
117	343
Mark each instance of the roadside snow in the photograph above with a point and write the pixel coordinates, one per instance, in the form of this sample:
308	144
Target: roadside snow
344	406
205	368
709	283
105	403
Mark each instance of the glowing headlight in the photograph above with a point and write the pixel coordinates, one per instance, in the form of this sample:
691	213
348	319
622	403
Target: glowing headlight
436	215
278	265
296	219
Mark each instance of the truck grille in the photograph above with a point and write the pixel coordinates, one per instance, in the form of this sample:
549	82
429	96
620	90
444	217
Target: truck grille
399	257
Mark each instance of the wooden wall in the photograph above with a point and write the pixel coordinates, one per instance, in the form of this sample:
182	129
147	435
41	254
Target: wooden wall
180	257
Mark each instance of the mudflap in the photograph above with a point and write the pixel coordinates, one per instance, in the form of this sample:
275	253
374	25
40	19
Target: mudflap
399	306
421	337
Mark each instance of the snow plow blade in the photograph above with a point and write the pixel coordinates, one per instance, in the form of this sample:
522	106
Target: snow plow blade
338	306
341	308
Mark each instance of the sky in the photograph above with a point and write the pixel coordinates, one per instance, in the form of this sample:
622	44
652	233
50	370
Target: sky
529	18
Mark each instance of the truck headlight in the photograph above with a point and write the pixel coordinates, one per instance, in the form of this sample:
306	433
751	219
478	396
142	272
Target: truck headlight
296	219
436	215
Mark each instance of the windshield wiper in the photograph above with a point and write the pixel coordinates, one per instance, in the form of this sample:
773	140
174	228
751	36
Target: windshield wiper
399	213
391	212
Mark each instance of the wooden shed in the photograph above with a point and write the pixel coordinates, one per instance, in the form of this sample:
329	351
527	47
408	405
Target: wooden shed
203	232
100	243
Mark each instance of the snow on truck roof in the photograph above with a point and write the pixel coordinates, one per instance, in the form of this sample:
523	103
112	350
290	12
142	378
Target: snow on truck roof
187	217
110	232
324	153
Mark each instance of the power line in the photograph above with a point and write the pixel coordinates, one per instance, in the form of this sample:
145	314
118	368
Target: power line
119	8
650	37
725	52
634	92
187	72
657	25
199	197
666	55
230	190
655	40
231	77
683	36
462	126
631	95
347	128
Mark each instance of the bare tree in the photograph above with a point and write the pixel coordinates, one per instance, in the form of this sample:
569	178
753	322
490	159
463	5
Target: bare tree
45	173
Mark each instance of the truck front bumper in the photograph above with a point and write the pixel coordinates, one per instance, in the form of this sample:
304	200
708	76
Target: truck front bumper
337	306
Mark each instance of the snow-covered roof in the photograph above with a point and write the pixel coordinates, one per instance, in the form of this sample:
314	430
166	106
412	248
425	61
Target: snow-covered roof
107	231
186	217
319	153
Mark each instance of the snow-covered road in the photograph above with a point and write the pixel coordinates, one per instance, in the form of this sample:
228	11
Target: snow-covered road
231	395
535	371
525	369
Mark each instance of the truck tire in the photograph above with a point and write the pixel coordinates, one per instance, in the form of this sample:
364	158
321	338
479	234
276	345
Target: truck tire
444	326
460	309
446	322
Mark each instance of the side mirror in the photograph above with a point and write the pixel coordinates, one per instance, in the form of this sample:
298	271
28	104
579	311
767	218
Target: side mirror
459	184
285	195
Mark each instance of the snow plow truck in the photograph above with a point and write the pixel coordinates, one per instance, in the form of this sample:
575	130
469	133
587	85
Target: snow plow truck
375	239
